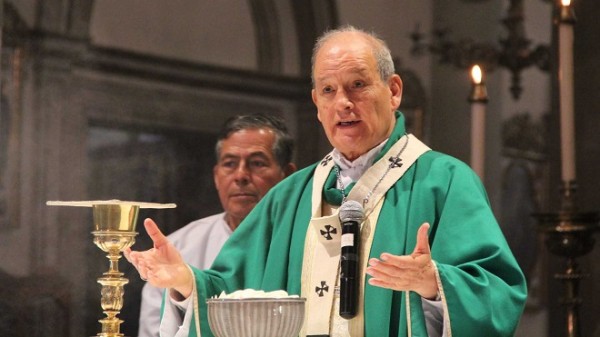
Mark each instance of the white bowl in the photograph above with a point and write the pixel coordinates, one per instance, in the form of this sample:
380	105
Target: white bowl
256	317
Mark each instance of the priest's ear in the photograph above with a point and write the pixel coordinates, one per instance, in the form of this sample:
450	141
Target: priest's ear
395	86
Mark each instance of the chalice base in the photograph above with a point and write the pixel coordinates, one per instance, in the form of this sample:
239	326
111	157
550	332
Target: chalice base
110	326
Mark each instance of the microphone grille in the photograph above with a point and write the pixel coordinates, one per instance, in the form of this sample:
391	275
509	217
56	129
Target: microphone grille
351	211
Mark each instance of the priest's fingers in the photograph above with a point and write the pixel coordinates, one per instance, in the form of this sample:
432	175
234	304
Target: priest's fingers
421	281
132	256
165	251
134	261
126	253
143	270
422	246
147	263
158	238
402	262
403	273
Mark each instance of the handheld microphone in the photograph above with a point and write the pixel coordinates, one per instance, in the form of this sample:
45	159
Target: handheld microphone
351	216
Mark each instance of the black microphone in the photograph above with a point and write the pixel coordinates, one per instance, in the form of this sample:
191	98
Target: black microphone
351	216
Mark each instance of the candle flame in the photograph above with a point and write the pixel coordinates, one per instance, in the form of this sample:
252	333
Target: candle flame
566	3
476	74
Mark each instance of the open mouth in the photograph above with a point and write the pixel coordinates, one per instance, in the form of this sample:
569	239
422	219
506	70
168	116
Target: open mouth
348	123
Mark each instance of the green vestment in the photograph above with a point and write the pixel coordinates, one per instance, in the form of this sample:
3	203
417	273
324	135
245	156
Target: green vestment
483	288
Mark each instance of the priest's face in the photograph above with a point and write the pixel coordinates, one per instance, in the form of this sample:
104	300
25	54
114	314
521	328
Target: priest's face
355	106
245	172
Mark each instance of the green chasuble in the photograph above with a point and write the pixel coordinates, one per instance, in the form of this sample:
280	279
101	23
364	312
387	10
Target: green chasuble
482	288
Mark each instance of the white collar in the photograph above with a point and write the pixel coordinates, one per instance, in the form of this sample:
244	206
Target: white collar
351	171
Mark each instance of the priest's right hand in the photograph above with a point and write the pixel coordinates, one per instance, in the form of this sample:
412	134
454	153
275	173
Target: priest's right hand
162	266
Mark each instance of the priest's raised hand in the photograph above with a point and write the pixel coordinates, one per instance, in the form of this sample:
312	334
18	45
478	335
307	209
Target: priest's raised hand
414	272
162	266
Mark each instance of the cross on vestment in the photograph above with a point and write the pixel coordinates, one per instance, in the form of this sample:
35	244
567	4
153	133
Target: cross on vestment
329	229
326	160
395	162
324	288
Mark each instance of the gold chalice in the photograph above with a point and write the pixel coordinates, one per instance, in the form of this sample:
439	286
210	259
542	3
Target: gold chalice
114	231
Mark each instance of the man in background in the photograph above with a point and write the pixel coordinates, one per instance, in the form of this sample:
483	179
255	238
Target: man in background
254	152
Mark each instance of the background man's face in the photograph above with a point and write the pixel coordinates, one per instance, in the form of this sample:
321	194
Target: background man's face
246	170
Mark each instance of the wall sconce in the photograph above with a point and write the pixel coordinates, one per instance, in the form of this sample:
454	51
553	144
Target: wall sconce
514	52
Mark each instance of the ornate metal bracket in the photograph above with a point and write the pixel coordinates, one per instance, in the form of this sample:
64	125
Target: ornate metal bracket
514	52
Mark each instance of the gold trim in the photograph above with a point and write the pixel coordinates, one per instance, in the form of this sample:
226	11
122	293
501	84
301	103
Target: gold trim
441	293
195	303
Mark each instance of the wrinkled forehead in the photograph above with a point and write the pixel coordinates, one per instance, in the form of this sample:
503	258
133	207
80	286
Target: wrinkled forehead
344	48
346	41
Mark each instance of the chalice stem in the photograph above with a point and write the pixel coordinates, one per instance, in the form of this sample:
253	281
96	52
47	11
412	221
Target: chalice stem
113	268
112	303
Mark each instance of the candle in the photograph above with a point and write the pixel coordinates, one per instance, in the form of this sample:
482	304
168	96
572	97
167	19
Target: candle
565	83
478	100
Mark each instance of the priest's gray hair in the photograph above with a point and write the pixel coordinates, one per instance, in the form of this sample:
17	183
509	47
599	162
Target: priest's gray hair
381	52
283	147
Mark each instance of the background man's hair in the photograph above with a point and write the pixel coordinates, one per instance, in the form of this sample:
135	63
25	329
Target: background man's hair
283	147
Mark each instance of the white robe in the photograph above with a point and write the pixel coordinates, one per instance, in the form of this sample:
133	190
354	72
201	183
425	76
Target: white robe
199	242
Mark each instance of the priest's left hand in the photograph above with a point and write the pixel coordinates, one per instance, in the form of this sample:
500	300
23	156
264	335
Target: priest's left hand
414	272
